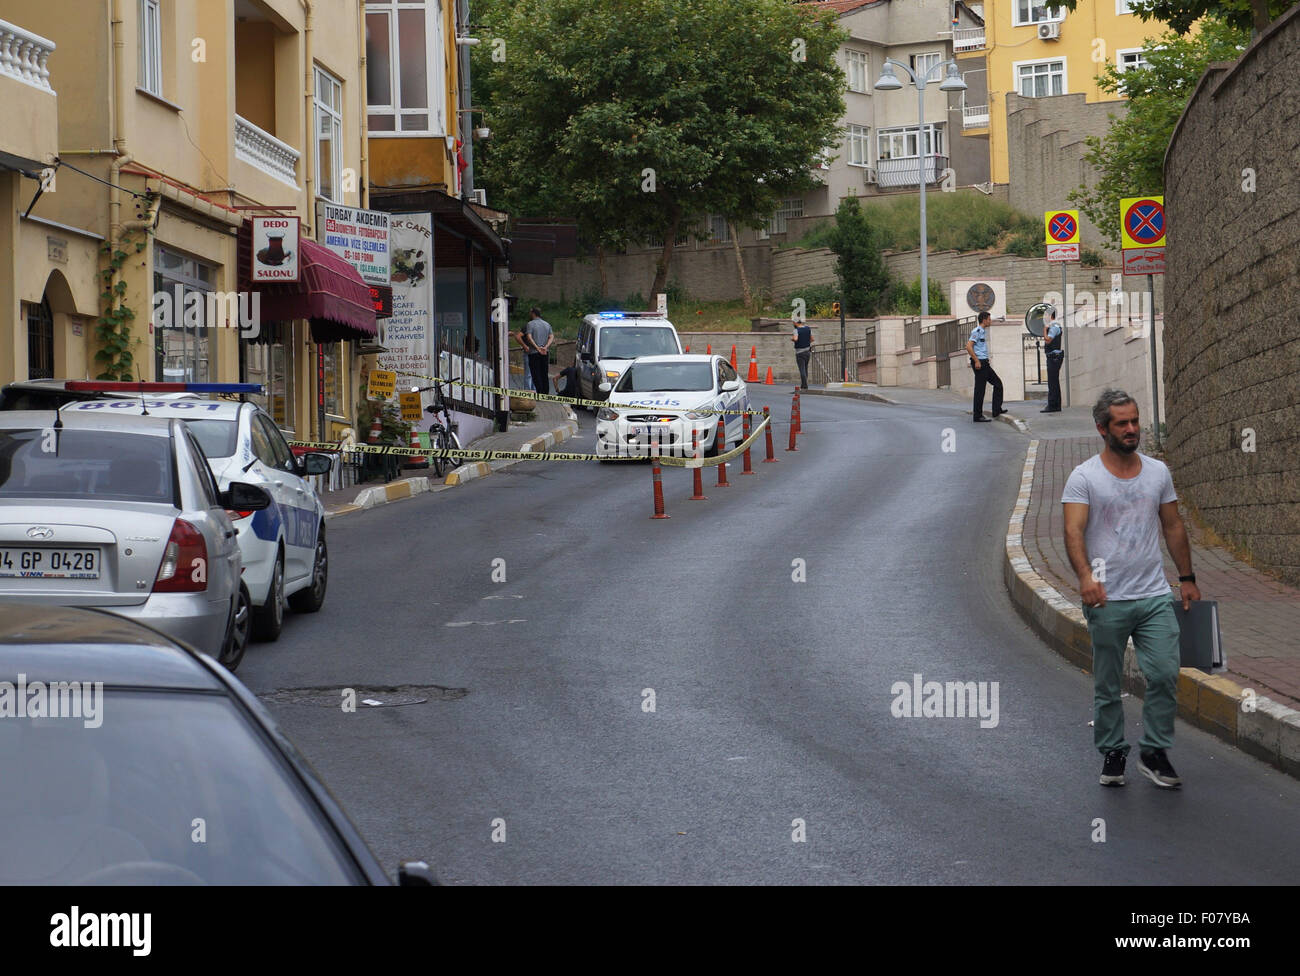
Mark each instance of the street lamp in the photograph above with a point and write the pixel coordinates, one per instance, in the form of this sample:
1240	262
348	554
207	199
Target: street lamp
888	81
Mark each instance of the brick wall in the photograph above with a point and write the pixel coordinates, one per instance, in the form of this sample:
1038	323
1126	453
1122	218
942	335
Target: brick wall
1232	346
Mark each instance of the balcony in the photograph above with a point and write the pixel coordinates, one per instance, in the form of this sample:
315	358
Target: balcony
974	116
24	55
263	150
904	171
967	39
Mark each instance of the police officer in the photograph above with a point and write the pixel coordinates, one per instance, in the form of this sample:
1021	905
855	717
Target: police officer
1055	357
977	347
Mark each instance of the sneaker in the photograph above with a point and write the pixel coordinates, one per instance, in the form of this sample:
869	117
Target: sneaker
1155	765
1112	770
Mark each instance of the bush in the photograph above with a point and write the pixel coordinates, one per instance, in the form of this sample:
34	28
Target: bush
859	266
814	297
954	222
1026	244
1090	258
906	299
818	235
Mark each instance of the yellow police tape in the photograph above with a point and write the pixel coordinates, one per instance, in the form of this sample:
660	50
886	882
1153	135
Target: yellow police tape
468	455
555	398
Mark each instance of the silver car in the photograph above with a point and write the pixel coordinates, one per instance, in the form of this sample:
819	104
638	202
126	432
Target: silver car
123	513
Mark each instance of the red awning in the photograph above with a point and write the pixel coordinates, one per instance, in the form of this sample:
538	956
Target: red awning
329	292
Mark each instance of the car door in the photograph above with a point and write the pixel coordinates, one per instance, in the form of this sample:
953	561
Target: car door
735	400
300	515
211	519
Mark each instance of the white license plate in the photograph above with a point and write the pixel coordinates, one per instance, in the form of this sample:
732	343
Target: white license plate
45	563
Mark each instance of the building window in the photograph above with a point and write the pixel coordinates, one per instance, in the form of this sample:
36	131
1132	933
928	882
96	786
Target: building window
1041	78
40	340
859	70
1123	7
923	63
181	333
859	145
333	379
150	48
719	232
405	74
329	136
776	224
1132	58
1034	12
901	143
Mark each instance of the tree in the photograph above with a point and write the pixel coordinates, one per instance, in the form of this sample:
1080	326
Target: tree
859	266
1180	15
1129	159
641	117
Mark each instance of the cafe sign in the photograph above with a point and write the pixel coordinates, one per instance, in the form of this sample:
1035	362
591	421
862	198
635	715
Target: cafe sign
275	248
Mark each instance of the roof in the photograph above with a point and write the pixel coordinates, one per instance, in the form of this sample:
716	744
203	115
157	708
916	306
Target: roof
101	419
191	409
840	7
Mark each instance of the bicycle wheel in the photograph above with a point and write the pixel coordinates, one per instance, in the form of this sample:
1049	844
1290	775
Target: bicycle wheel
453	442
438	441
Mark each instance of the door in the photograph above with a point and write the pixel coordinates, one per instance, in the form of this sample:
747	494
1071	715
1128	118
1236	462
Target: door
219	532
300	517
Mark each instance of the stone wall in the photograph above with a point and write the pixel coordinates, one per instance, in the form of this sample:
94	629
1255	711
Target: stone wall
1232	348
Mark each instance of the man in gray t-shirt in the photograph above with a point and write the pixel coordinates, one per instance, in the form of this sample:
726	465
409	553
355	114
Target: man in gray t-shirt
1117	504
536	339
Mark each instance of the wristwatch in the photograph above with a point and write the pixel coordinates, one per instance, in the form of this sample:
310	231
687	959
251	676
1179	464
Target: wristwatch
1189	578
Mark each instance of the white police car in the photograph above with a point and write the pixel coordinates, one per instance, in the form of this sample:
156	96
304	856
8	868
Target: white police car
663	399
283	546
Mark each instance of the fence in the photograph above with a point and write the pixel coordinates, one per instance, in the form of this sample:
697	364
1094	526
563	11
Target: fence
825	363
911	333
940	339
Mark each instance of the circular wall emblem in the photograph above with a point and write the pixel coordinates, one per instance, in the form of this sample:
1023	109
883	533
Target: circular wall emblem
980	298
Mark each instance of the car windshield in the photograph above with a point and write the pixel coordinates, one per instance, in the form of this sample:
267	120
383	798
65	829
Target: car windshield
629	342
666	378
168	788
99	464
216	437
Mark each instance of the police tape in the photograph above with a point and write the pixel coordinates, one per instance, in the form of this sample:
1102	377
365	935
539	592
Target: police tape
576	401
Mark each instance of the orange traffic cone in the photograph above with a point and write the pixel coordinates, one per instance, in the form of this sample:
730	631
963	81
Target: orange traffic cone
688	348
376	430
416	460
753	365
768	381
708	350
733	356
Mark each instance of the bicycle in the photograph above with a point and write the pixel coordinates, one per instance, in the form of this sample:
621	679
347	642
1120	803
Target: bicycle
442	436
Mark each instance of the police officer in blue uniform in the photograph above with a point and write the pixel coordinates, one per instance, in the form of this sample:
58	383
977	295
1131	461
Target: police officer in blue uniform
977	347
1055	357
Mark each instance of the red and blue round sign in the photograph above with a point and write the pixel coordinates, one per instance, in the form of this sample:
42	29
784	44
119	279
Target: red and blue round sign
1063	227
1144	222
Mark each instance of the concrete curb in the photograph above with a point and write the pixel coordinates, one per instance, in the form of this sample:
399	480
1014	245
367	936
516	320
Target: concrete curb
1270	732
391	492
836	390
481	469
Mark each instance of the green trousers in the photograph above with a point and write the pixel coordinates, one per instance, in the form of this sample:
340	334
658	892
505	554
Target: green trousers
1153	625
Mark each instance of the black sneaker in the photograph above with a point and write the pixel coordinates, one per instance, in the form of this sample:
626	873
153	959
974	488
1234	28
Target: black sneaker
1155	765
1112	770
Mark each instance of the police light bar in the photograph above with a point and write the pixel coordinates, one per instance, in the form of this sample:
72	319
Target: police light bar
611	315
117	386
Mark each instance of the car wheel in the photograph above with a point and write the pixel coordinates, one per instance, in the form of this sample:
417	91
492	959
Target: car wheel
719	444
313	597
269	617
232	652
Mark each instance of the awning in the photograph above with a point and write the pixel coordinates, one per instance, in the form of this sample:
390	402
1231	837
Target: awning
329	293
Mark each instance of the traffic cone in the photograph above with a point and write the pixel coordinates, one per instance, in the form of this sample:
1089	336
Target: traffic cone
768	381
418	460
708	349
753	365
733	356
688	348
376	430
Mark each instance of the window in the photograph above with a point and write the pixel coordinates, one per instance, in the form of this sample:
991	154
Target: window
333	381
719	232
901	143
1123	7
181	332
207	484
405	73
40	340
776	224
150	78
1035	12
1038	79
923	63
269	445
859	145
329	136
858	68
1132	58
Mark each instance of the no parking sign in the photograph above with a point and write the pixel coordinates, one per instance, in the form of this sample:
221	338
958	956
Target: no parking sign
1142	234
1062	235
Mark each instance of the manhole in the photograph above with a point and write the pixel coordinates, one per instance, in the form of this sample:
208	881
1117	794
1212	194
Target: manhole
365	696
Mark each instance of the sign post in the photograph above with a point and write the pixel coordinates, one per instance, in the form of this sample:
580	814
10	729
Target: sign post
1063	245
1142	233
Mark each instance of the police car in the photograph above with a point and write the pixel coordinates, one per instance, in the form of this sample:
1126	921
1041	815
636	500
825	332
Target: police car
608	341
664	399
283	546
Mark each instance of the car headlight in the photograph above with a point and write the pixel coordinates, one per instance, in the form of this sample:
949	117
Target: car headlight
695	415
604	413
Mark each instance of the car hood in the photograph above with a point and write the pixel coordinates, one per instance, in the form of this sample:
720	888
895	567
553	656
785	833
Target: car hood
669	400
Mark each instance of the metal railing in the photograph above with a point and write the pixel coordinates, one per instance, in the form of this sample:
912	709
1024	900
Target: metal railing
24	55
904	170
259	148
940	340
967	39
911	332
824	364
974	116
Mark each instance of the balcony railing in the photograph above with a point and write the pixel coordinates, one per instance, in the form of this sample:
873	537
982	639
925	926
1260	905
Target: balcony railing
263	150
23	55
974	116
904	171
967	39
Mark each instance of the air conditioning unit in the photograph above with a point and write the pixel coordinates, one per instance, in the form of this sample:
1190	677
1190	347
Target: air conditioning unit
1049	32
869	175
480	197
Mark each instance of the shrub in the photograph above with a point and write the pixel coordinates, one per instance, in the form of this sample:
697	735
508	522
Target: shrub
859	266
906	299
1090	258
1026	244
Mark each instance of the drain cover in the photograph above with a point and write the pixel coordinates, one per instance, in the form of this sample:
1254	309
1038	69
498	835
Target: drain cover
367	696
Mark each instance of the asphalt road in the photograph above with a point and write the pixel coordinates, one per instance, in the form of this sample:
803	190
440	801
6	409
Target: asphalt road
772	698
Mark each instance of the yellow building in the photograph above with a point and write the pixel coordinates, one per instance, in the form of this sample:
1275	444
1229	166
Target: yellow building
1038	50
199	115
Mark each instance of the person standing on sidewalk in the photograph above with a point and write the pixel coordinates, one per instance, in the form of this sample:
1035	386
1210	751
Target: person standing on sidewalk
1117	503
537	336
803	343
977	347
1055	356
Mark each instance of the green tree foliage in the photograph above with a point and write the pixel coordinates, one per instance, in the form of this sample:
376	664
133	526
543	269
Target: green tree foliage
1180	15
639	117
906	299
859	266
1129	159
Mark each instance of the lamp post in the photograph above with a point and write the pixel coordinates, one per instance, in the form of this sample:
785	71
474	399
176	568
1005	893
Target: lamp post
888	81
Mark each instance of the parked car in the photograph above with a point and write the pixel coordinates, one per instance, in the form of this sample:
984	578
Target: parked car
122	512
52	394
608	341
663	399
155	766
284	551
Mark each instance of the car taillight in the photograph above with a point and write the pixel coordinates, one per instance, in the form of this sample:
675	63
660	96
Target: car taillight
236	515
184	567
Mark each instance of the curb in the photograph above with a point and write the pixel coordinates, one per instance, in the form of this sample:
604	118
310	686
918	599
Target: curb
1211	702
851	394
481	469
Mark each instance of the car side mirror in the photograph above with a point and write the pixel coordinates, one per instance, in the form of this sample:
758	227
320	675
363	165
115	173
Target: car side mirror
604	387
731	386
243	497
310	464
416	874
587	357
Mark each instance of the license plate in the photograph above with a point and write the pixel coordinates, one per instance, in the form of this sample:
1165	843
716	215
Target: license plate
49	563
